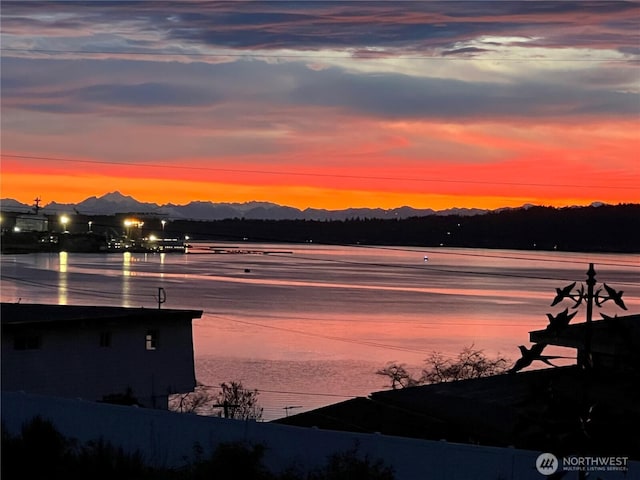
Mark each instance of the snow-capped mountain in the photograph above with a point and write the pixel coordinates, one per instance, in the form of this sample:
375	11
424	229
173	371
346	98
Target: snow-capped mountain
116	202
108	204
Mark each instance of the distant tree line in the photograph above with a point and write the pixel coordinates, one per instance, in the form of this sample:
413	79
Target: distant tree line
584	229
606	228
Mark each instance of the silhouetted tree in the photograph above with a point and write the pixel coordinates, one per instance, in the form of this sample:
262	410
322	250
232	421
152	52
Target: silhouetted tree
231	401
470	363
238	402
399	376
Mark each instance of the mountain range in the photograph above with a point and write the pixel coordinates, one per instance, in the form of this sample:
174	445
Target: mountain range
115	202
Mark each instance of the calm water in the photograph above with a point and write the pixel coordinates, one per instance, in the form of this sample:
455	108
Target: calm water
308	325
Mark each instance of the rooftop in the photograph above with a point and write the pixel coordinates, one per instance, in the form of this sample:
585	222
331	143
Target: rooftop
611	335
567	410
32	313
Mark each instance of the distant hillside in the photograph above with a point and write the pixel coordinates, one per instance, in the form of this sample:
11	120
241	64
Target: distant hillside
115	203
603	228
597	228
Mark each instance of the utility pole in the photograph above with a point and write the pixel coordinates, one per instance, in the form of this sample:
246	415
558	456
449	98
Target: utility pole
225	407
162	297
591	281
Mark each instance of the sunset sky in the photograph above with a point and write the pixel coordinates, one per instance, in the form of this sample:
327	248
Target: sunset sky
322	104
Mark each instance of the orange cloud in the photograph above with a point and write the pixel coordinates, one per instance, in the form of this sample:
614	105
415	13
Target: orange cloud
370	164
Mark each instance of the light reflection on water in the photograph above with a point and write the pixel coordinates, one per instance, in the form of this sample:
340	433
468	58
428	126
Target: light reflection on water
326	316
63	264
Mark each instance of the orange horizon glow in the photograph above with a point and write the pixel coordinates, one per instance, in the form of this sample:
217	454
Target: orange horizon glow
483	166
420	164
63	188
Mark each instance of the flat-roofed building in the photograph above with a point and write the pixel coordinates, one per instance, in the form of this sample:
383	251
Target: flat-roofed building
98	353
32	223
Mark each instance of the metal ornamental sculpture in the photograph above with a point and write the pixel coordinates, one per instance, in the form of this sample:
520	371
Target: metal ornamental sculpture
560	321
529	355
579	296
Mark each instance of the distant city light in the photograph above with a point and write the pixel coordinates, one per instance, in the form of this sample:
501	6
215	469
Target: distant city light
64	220
132	222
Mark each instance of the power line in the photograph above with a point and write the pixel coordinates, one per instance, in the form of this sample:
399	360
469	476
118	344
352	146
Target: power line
373	344
537	258
330	337
209	313
287	392
377	345
79	291
319	335
315	175
107	295
459	271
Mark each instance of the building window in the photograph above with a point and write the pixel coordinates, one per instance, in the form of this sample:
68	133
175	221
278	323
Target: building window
151	340
105	339
27	342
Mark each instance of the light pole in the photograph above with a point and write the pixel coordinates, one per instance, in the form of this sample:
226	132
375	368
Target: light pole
90	223
163	222
64	220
